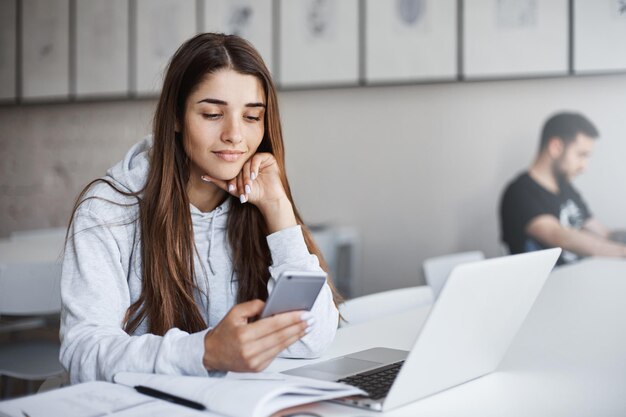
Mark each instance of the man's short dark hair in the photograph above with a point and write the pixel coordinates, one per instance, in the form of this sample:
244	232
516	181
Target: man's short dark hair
566	126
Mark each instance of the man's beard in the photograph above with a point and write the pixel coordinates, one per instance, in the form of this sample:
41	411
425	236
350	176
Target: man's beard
559	173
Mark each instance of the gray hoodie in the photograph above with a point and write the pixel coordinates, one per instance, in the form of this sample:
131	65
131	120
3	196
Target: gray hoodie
102	278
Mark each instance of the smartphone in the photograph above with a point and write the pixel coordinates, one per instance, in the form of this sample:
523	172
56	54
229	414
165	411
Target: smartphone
294	291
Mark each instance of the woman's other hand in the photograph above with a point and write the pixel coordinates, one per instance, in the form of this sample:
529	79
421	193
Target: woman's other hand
259	182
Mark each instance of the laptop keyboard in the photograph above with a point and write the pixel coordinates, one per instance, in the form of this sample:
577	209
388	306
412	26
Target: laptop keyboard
376	382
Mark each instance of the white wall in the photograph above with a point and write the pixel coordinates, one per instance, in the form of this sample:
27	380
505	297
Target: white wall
417	169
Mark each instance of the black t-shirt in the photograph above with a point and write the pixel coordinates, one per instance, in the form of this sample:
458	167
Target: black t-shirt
524	199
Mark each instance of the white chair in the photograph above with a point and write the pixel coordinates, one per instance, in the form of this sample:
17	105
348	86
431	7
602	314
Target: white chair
341	249
437	270
370	307
52	234
28	293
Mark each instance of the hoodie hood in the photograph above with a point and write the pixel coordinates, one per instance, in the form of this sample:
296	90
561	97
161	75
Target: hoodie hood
130	173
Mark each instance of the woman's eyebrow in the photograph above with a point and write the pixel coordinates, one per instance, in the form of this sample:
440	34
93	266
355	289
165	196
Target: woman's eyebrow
224	103
213	101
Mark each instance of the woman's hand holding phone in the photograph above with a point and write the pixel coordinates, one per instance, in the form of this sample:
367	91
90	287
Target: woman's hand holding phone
239	346
259	182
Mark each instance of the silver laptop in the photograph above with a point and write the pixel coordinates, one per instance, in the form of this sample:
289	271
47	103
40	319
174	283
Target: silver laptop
467	332
619	236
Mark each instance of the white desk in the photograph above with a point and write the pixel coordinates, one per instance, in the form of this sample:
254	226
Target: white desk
569	358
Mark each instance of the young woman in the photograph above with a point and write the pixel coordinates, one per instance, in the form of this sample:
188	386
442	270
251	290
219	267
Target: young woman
170	254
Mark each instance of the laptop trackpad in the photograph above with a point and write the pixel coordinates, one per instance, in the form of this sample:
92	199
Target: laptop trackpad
334	369
346	366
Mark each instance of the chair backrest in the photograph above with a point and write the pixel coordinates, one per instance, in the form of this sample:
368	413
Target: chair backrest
341	248
30	288
437	270
370	307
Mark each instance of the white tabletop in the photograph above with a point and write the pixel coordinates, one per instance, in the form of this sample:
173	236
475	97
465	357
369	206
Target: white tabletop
569	358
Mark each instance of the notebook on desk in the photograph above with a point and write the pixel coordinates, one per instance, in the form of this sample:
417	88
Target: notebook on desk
469	329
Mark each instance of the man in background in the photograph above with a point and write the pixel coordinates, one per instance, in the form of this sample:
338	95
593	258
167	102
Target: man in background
542	209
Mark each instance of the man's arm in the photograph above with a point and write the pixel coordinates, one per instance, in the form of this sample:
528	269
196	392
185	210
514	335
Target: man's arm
594	226
547	230
598	228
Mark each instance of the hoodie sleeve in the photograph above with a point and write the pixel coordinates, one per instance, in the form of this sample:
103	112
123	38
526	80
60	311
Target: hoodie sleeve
95	296
289	252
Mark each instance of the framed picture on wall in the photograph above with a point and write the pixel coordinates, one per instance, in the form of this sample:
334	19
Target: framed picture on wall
410	40
515	38
101	48
318	43
595	49
161	27
8	50
250	19
45	49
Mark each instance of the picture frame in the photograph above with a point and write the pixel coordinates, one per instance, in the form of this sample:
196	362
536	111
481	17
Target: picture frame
161	26
410	40
253	20
8	50
313	33
101	45
515	38
597	51
45	50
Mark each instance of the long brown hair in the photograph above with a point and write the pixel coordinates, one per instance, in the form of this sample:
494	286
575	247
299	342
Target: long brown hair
167	243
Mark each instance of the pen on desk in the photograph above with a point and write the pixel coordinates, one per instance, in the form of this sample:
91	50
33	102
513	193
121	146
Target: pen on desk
168	397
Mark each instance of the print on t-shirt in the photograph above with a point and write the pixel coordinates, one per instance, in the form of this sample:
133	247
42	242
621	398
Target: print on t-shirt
571	216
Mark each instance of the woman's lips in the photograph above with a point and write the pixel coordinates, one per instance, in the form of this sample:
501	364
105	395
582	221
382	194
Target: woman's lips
228	156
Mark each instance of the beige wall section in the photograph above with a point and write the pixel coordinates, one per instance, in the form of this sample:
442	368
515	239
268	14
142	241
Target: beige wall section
417	169
50	152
